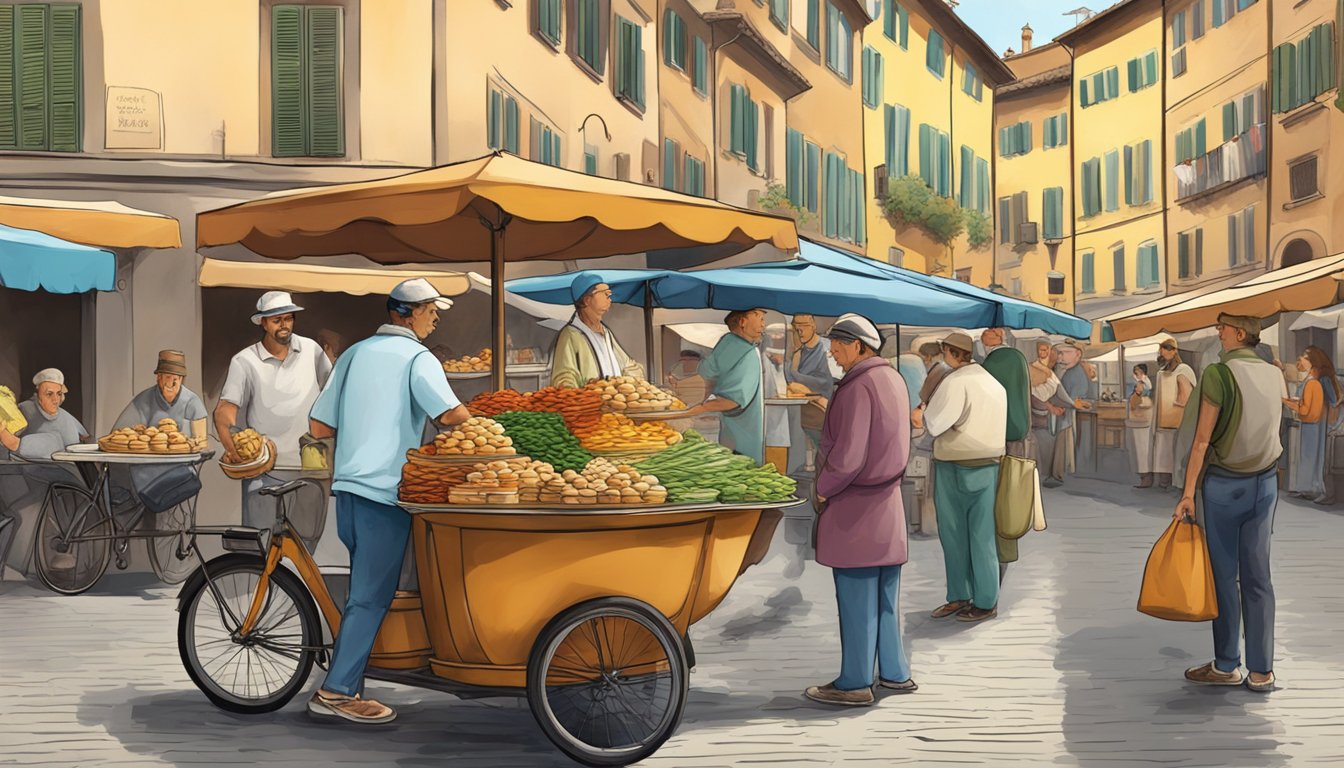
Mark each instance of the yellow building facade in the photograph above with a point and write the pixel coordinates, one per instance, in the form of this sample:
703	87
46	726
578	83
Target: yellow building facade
1307	125
928	115
1217	139
1117	122
1032	179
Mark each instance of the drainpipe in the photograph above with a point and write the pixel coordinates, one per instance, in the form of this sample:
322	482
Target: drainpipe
714	109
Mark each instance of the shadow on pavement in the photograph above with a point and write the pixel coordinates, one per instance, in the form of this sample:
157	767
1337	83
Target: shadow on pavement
781	608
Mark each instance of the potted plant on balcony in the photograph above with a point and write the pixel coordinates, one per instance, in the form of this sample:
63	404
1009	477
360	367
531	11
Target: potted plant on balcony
910	203
776	200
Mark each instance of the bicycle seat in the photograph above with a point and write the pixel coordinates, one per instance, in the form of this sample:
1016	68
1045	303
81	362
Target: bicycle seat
285	489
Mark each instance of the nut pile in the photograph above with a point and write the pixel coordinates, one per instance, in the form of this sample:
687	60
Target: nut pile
627	393
615	433
495	482
579	407
161	438
601	482
476	363
477	436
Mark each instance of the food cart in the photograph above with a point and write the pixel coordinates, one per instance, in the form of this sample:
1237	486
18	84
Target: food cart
583	609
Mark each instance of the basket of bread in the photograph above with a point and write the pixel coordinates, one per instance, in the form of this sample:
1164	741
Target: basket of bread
256	456
163	437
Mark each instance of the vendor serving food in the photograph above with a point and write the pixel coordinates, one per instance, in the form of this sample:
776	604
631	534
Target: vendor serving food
586	349
170	399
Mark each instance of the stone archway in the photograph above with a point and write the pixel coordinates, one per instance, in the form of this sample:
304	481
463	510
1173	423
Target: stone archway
1297	251
1298	247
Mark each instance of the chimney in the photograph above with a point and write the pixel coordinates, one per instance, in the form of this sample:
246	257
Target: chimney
1026	38
1010	53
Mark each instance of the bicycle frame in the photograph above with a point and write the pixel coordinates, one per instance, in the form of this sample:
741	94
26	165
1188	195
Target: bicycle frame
287	545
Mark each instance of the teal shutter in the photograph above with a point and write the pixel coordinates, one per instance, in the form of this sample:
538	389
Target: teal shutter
753	128
325	113
737	121
832	199
589	162
1134	75
1233	235
812	178
903	140
1219	17
965	195
944	164
934	58
8	103
814	23
1027	142
982	177
288	123
669	29
889	138
701	64
65	88
1229	120
1112	180
1150	62
1005	217
1129	176
905	26
1083	94
587	29
860	209
1113	82
889	19
793	165
1089	278
1200	139
495	121
1146	170
511	124
669	164
927	153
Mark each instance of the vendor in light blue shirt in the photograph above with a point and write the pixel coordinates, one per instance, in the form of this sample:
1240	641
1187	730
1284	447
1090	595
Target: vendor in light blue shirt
376	403
735	368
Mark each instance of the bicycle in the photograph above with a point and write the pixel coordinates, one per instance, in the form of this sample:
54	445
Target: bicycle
80	528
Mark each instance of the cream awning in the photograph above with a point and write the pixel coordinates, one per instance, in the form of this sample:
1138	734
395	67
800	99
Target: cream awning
311	278
1310	285
99	224
1327	319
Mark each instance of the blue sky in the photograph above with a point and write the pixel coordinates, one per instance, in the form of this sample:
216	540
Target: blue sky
1000	22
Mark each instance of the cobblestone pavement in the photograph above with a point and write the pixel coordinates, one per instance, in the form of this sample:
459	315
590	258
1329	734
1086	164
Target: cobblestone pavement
1069	674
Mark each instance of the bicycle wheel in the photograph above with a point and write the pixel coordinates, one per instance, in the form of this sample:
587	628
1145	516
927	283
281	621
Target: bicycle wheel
73	544
259	672
607	681
170	556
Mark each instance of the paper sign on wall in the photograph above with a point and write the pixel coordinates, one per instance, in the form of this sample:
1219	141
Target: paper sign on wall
134	118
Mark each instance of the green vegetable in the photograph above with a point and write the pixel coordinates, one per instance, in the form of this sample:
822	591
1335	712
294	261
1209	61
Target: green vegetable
544	437
697	471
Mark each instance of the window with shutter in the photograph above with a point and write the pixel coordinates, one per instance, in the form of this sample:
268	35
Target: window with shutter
700	65
971	84
813	21
752	137
966	190
928	153
1199	252
41	95
590	159
872	77
1020	215
982	185
1248	250
1183	255
587	41
1006	234
1178	63
1197	16
812	177
307	84
839	43
548	20
1177	29
495	120
830	219
944	164
1118	268
1088	281
935	59
671	160
793	166
1302	181
779	13
1233	238
511	124
1113	181
630	61
1201	138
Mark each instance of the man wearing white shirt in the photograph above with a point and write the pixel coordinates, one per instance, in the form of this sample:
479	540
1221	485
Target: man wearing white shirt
968	418
271	387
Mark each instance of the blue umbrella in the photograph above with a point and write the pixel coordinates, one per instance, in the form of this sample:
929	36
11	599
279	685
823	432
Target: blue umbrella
628	286
30	260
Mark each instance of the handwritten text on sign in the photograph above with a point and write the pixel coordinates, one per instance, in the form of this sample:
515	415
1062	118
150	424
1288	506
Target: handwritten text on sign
134	118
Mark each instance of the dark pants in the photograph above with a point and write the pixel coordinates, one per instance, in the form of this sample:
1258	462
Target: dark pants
1238	521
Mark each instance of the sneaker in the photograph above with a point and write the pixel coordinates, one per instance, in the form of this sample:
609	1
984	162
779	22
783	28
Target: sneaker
1262	686
977	614
947	609
909	686
829	694
1208	674
351	708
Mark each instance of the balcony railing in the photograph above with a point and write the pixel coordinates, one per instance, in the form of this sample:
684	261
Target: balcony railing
1241	158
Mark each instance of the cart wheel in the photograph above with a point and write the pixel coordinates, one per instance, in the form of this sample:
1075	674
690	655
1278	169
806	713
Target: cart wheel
170	556
690	649
607	681
262	671
73	544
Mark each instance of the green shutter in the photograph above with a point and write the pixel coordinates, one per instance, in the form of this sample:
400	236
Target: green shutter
889	20
1129	175
812	178
1229	120
64	95
860	209
813	23
1201	139
1005	211
944	164
701	66
288	118
1112	180
832	199
793	165
889	138
1089	280
736	120
1134	75
926	156
8	104
494	121
964	195
902	141
325	115
753	133
669	164
1083	94
934	58
32	79
511	124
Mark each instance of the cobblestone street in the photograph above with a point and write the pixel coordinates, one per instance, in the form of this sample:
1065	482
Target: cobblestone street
1069	674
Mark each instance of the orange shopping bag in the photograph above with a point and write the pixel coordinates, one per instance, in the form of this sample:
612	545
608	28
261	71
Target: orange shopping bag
1178	580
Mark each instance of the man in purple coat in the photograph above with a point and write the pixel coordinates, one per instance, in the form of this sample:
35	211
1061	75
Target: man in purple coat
865	443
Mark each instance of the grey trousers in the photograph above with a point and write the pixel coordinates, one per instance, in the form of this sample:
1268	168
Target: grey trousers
307	506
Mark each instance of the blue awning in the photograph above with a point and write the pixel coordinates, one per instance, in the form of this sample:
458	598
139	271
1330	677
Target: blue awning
32	260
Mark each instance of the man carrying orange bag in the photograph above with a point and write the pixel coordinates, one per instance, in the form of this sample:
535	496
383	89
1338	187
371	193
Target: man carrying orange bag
1234	422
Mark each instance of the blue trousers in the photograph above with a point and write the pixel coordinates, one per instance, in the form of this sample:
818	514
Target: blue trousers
376	536
963	499
870	626
1238	520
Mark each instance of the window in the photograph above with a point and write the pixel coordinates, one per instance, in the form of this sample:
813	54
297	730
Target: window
982	185
307	85
843	216
590	159
693	182
1118	268
896	23
935	59
1177	29
674	41
1190	254
630	61
1055	132
971	194
1139	173
872	77
1178	64
1147	266
896	256
1142	71
963	275
744	119
935	159
1113	180
839	43
779	13
1241	238
1304	70
813	23
1100	86
1015	140
503	122
812	177
1091	187
1302	182
589	43
1192	142
41	99
1243	112
547	20
1052	213
794	164
897	135
1016	286
671	161
971	84
1224	10
1012	215
1197	17
1089	269
700	66
545	144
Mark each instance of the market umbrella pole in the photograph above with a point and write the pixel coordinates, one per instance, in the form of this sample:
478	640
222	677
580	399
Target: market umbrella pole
653	376
498	334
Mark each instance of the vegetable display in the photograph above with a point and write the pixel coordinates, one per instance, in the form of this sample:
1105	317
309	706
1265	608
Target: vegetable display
697	471
544	437
617	433
580	407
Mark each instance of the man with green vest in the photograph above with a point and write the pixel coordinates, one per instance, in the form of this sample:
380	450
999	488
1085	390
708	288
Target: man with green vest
1008	366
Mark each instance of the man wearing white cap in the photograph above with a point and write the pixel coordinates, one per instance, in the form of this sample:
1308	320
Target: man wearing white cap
381	393
271	386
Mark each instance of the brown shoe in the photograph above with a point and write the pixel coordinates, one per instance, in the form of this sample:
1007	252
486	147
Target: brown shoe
1211	675
1260	683
947	609
909	686
829	694
977	614
351	708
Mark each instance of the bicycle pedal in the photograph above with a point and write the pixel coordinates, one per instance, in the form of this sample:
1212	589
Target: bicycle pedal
122	563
